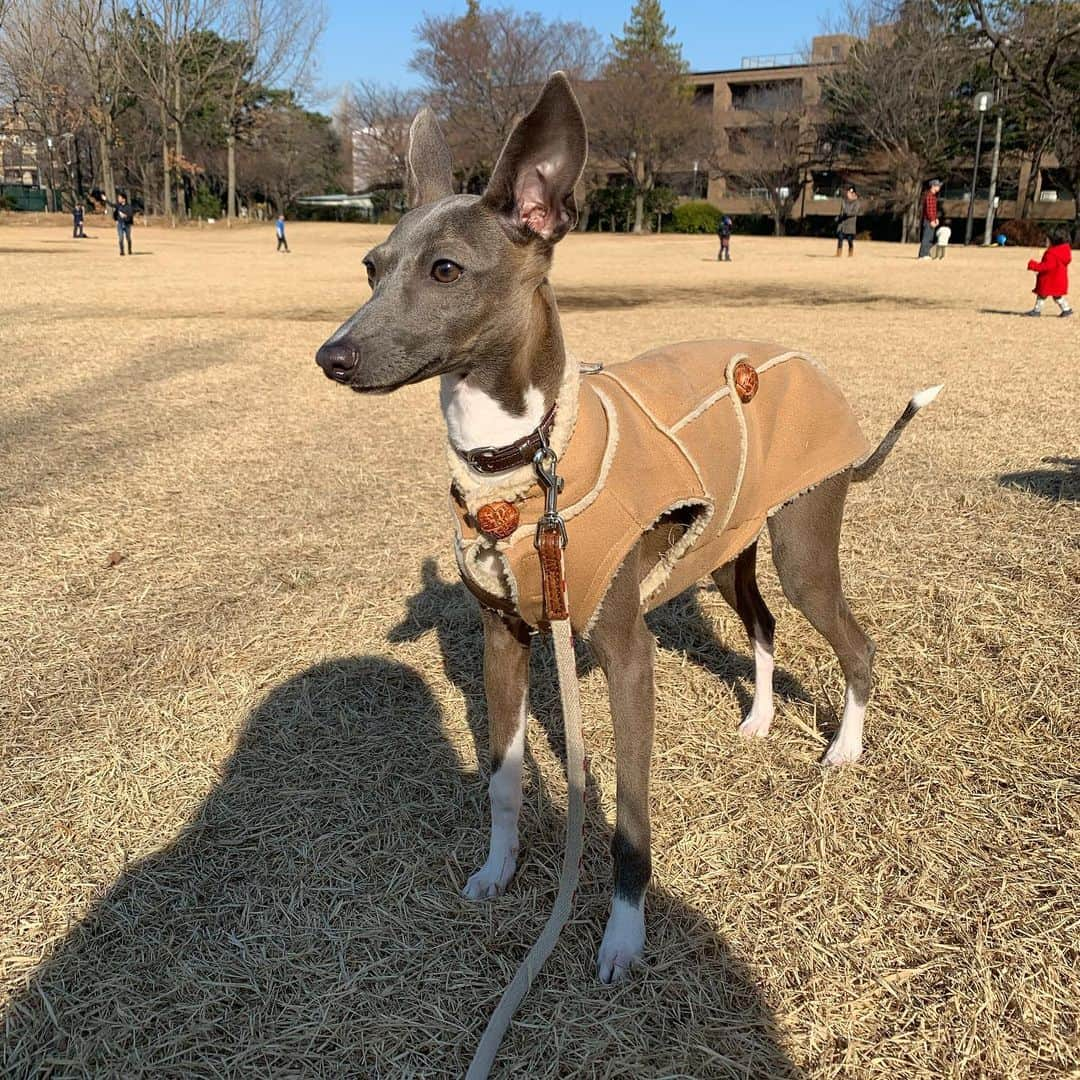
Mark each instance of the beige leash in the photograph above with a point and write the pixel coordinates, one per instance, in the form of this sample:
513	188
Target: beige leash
550	541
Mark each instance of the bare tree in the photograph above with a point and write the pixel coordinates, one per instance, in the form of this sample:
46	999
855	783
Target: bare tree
641	112
378	119
772	154
896	101
173	46
291	151
87	28
33	72
483	70
1036	46
269	43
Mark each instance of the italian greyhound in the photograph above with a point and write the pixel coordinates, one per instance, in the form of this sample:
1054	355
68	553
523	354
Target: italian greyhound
460	291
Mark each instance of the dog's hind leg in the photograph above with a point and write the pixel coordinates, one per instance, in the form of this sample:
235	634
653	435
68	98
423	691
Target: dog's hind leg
737	582
626	650
506	685
805	545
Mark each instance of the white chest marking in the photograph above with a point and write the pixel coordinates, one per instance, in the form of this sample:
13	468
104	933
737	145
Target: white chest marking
474	418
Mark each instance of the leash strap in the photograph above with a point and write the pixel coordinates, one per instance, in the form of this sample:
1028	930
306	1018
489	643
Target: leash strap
550	541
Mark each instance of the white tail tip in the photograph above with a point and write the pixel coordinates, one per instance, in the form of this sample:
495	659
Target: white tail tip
924	397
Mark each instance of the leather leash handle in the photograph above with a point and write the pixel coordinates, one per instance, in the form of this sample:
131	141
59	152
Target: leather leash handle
553	575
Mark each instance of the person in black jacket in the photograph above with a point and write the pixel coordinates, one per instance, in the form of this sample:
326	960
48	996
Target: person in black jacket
723	230
124	216
77	223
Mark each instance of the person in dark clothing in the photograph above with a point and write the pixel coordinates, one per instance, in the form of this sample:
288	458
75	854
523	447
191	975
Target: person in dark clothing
930	219
723	230
77	222
124	216
846	219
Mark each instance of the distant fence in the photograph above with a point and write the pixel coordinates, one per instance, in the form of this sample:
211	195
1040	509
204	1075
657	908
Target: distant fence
774	60
18	197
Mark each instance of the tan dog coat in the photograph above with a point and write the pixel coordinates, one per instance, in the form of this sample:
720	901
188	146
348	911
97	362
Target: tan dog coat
660	442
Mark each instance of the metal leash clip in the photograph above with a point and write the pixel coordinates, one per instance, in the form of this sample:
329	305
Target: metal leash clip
545	462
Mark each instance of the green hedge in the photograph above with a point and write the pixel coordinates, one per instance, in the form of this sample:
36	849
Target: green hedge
695	217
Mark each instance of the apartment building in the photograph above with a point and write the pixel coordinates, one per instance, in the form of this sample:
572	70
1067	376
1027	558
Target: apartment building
737	97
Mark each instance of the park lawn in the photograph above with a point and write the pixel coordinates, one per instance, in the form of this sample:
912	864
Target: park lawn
241	715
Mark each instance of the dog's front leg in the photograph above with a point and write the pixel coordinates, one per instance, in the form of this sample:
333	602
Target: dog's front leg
506	685
626	651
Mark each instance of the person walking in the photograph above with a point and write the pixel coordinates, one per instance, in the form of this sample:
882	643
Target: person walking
279	227
77	222
845	221
723	230
124	216
929	220
1052	272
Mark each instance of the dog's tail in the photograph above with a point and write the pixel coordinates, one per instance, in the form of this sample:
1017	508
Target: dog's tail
870	464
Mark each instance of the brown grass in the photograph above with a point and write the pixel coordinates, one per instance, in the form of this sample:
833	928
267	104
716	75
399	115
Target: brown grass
241	706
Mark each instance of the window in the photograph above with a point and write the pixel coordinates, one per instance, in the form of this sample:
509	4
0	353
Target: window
703	97
766	95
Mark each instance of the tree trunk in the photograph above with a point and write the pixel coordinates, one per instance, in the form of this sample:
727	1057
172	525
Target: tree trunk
148	185
181	200
181	195
1027	196
230	198
639	211
166	185
108	183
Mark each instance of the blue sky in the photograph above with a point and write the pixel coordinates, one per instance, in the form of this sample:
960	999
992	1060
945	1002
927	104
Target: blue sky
374	41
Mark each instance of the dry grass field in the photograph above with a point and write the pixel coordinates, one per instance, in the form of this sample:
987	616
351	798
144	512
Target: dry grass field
241	716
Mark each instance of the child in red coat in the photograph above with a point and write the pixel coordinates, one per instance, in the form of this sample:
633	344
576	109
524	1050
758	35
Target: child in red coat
1053	274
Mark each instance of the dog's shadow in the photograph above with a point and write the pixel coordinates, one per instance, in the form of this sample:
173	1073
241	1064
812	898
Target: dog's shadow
307	922
679	625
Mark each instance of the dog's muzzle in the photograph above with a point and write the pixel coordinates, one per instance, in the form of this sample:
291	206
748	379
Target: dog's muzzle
338	361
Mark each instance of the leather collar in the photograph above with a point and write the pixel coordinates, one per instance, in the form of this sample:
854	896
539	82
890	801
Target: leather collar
497	459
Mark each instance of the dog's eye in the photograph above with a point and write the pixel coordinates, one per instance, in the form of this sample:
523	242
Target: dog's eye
369	266
444	271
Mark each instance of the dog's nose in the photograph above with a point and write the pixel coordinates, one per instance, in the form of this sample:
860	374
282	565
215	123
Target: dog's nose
338	360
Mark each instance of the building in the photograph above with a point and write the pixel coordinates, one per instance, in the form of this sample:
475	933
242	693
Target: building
737	98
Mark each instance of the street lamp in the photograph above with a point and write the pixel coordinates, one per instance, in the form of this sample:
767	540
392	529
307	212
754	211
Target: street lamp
983	101
695	179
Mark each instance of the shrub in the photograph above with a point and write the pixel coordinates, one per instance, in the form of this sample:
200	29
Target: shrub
696	216
205	204
1023	233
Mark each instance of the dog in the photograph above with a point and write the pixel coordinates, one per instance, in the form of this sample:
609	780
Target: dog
460	293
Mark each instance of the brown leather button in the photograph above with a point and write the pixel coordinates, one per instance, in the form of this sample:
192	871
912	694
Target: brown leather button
746	381
498	519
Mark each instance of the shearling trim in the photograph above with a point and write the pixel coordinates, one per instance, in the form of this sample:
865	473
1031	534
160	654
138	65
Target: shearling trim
499	581
656	424
712	399
810	487
478	488
590	497
657	577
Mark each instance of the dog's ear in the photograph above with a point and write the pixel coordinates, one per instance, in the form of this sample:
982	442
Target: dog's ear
428	168
534	178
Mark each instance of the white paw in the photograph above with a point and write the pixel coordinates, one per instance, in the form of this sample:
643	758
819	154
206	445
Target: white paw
842	753
756	725
623	944
492	878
